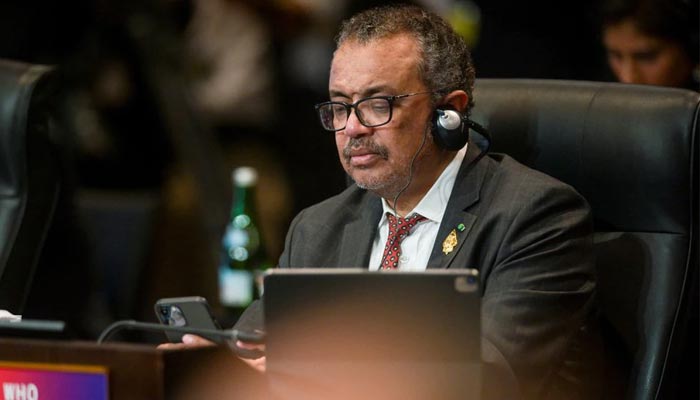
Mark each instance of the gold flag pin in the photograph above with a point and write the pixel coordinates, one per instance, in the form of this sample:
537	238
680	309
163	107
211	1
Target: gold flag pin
450	242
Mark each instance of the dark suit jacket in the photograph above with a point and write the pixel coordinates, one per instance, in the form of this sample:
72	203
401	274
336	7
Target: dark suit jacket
529	235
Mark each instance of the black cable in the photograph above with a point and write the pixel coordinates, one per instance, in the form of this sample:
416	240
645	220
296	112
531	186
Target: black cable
229	334
481	131
410	170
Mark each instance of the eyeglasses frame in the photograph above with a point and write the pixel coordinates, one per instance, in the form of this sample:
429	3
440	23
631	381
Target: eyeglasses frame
349	107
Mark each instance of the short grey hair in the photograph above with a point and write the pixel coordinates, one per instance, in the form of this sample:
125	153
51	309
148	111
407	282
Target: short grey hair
446	63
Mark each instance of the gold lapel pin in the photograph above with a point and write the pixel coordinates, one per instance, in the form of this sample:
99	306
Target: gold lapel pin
450	242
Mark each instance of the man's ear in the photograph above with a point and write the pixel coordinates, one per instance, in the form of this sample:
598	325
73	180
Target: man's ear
457	100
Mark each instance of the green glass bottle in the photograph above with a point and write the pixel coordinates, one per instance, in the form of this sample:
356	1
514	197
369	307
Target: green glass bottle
243	255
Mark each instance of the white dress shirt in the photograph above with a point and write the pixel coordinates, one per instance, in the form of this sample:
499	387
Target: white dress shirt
417	246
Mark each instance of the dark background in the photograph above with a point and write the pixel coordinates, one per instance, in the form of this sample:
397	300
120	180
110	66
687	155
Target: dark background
144	212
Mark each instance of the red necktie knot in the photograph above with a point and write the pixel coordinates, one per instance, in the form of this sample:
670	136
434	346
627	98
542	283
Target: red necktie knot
399	228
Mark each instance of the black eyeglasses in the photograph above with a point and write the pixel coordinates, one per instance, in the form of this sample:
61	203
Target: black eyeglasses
371	111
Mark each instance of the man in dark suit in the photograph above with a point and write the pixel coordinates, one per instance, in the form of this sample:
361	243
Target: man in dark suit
528	234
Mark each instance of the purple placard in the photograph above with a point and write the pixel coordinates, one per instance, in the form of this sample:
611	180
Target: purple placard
32	381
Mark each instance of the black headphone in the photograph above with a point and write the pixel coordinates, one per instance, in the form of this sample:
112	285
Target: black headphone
451	130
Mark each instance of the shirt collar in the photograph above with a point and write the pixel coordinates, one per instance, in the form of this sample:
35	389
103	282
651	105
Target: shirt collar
434	203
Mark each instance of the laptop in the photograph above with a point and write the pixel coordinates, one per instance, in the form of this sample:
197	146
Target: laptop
354	333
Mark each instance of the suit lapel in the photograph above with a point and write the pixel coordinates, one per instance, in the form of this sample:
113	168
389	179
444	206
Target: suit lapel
464	194
358	234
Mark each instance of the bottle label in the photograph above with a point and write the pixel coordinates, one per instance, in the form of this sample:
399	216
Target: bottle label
235	287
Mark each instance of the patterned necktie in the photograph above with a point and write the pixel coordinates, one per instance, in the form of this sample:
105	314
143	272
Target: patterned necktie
399	228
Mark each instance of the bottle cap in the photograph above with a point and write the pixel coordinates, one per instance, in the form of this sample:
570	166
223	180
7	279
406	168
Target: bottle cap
244	176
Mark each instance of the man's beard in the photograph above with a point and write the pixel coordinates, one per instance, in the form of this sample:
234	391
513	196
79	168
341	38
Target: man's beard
385	184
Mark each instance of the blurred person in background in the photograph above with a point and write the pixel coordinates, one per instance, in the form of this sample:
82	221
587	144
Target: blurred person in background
652	42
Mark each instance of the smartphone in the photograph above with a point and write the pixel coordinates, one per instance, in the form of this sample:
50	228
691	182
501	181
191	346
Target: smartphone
187	311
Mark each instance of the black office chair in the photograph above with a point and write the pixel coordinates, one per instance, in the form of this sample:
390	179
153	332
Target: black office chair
632	151
63	256
29	185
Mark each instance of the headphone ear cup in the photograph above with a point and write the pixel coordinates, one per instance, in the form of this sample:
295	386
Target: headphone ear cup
449	130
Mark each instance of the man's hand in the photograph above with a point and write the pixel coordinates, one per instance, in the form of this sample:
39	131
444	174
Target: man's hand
188	341
258	363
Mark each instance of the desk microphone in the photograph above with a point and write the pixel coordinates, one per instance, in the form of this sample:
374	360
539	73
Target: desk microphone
226	334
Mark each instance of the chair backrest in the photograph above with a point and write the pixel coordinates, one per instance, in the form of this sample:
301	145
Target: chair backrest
632	151
29	183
